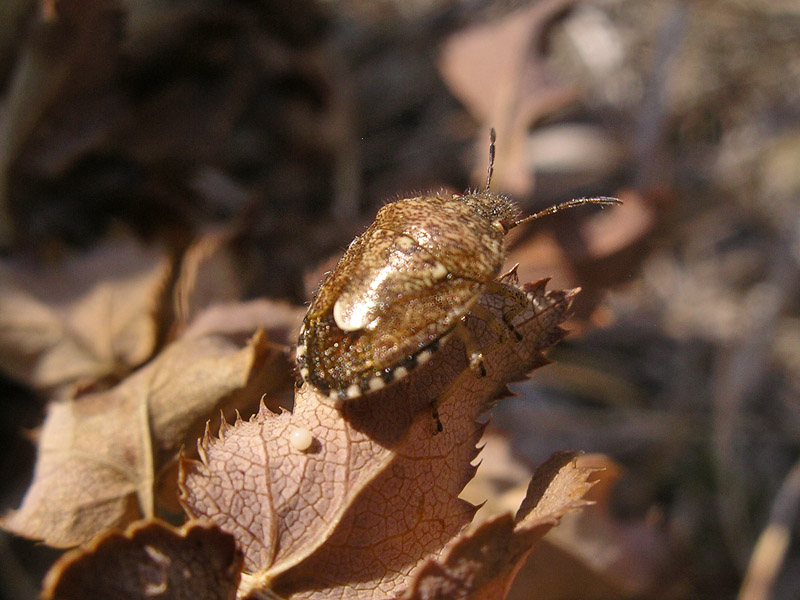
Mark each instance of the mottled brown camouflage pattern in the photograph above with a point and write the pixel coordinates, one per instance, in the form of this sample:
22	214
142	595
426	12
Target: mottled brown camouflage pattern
400	287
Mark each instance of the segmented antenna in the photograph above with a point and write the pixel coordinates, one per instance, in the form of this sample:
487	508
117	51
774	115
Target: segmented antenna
603	200
492	138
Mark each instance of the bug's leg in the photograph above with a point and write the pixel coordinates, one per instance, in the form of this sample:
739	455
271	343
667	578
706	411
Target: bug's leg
507	317
519	303
500	328
435	415
472	348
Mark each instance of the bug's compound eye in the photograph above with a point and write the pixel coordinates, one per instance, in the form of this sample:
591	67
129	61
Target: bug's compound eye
501	226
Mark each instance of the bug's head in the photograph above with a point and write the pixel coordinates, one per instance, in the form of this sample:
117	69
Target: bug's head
506	217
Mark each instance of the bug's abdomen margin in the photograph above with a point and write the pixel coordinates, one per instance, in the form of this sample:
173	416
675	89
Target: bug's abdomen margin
347	364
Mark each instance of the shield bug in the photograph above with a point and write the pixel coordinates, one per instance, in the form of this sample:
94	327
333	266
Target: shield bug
405	285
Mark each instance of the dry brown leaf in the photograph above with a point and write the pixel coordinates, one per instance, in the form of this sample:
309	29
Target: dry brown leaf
375	492
497	71
150	560
603	234
482	564
101	454
207	276
501	480
618	558
90	317
280	320
592	554
206	293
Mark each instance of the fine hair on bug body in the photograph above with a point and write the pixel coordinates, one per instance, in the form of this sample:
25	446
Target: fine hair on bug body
405	285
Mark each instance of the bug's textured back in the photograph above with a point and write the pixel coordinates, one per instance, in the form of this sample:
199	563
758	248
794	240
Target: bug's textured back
458	230
400	287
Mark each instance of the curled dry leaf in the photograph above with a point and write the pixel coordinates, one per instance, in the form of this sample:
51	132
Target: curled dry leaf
150	560
280	320
498	71
101	454
346	503
94	316
481	564
207	276
595	549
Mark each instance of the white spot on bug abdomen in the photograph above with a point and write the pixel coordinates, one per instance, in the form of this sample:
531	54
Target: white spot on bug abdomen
352	316
347	322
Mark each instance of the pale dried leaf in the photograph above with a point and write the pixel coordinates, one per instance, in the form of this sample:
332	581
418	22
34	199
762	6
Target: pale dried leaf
376	492
89	317
481	564
149	560
101	454
597	237
501	480
622	558
280	320
206	277
497	70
